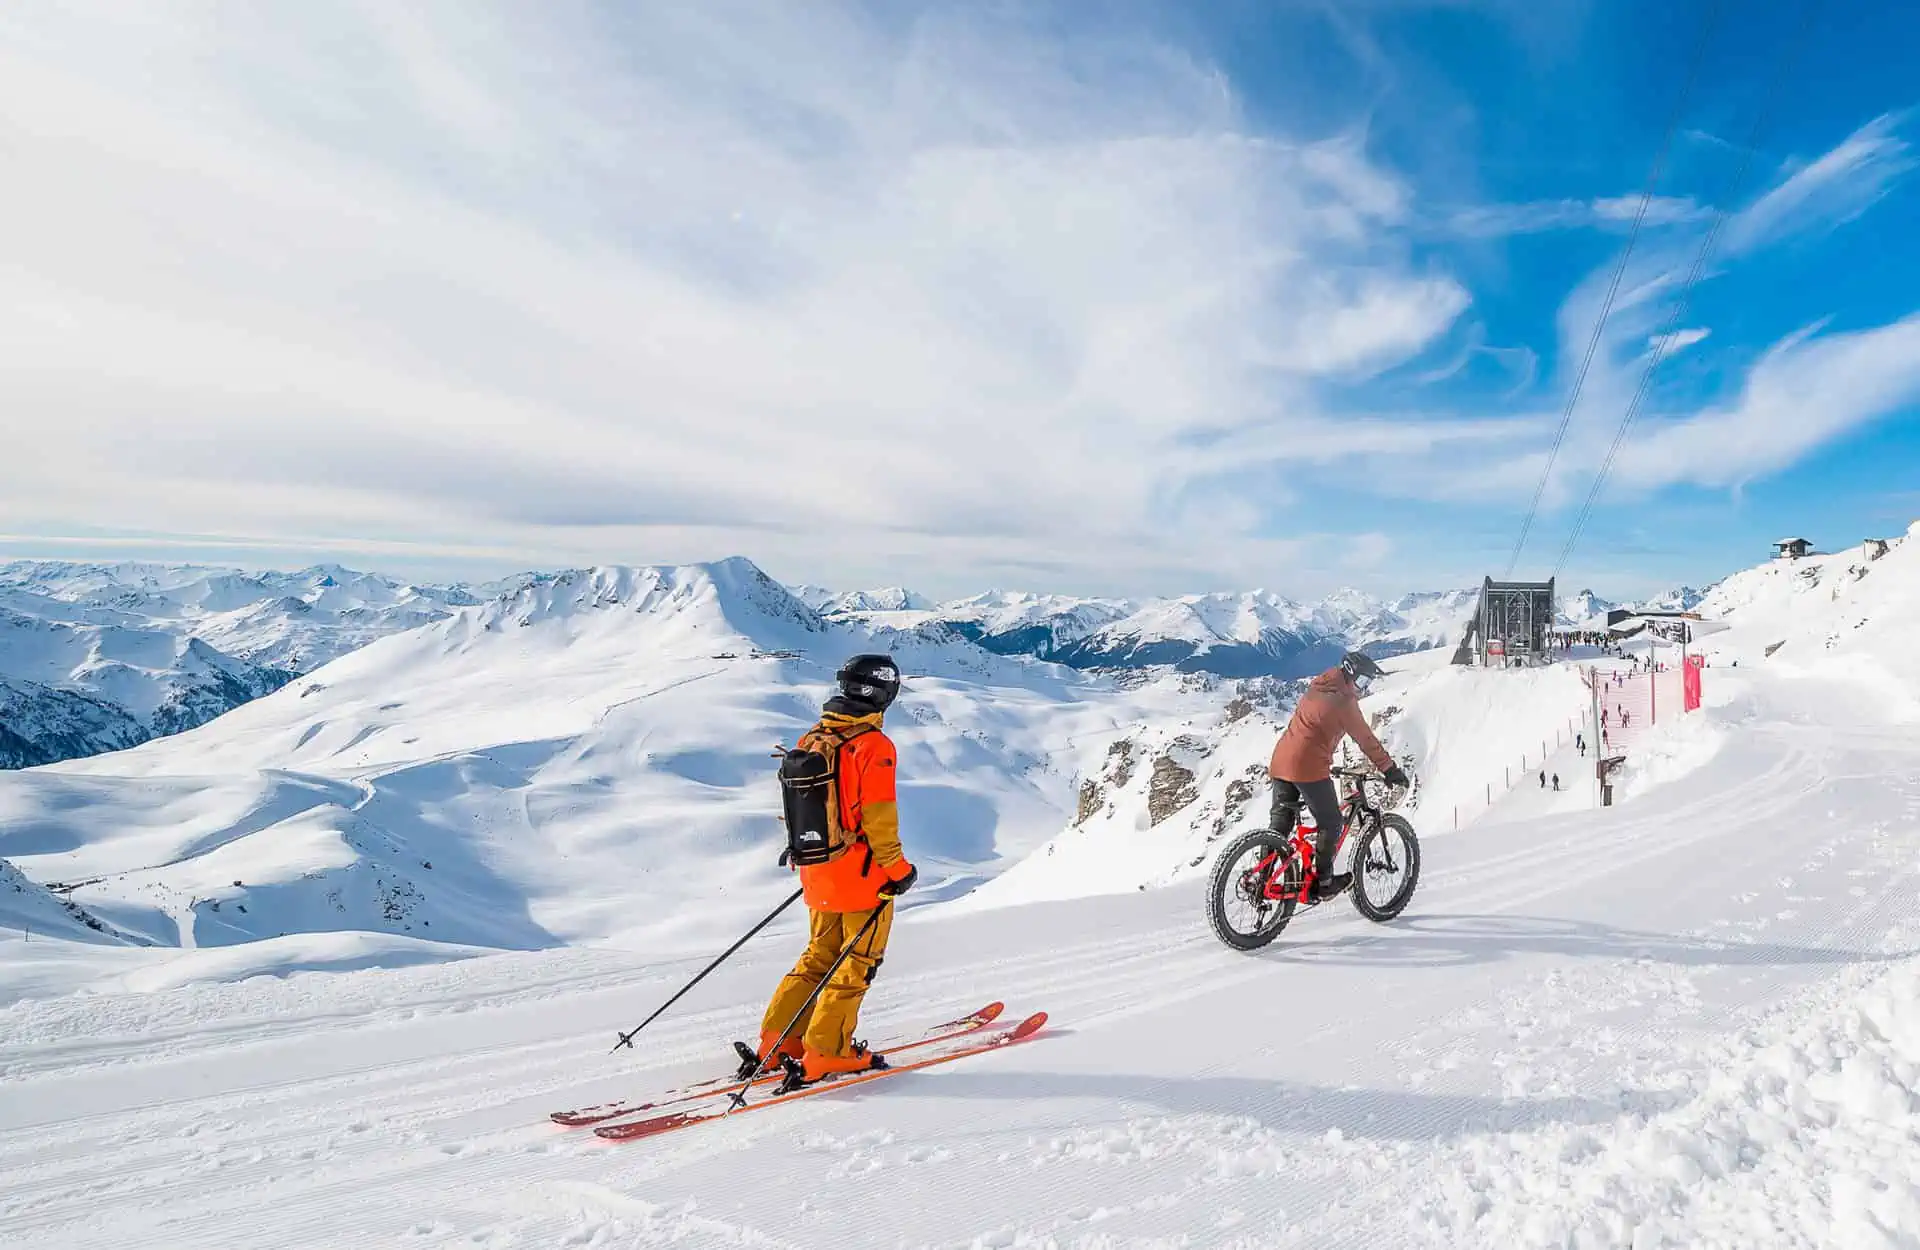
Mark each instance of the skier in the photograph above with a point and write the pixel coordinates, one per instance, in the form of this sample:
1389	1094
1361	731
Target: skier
1556	781
1603	722
844	893
1303	760
1543	781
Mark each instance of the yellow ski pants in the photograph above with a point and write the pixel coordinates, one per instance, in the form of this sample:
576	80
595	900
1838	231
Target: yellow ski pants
827	1029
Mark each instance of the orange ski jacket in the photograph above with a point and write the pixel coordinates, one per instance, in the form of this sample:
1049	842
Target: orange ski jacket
1328	712
868	810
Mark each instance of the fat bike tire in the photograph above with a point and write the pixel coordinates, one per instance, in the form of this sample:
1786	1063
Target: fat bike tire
1386	867
1237	907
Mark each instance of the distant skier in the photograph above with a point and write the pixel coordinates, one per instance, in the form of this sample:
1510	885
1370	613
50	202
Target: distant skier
844	892
1543	781
1556	781
1302	762
1603	722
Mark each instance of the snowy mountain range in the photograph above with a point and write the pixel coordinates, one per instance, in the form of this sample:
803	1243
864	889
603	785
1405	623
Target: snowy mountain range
565	761
293	621
560	763
1252	634
1588	610
100	657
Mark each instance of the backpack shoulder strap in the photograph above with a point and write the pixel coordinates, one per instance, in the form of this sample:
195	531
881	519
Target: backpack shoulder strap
820	736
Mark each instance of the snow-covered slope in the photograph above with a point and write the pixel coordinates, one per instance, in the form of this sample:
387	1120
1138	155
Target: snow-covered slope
1682	1022
28	909
585	756
1851	615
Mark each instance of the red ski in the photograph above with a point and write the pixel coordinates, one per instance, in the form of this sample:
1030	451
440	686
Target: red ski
612	1110
718	1105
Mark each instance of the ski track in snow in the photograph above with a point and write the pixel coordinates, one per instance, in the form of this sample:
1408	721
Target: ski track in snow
1569	1036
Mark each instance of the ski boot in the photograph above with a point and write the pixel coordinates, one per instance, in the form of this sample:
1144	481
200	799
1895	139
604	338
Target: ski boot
770	1058
813	1066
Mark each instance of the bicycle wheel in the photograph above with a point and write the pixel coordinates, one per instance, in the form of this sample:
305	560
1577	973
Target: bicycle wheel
1238	908
1386	867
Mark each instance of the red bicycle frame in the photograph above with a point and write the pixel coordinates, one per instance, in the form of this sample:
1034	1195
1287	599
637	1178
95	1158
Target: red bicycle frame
1303	846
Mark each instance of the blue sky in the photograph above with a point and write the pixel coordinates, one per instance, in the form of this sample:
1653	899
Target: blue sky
1120	298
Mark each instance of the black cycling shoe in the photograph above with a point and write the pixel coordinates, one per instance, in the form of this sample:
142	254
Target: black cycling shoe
1333	886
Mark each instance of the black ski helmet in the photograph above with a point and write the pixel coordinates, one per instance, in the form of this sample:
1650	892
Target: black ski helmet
1360	667
872	680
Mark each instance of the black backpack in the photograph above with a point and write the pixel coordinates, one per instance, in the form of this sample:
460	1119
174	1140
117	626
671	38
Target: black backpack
810	798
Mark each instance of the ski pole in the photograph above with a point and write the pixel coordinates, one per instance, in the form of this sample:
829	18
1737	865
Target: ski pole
739	1096
626	1039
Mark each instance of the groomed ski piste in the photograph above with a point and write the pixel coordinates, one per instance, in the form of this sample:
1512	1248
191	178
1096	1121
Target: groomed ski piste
1688	1020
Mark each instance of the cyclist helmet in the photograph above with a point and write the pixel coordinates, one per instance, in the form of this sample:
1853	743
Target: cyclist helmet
871	680
1360	668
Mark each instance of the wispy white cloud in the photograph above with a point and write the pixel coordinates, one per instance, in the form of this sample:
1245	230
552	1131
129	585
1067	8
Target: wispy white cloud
667	283
1540	216
950	301
1807	391
1827	192
1664	345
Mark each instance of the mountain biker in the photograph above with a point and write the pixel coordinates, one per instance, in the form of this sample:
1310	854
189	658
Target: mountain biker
1302	764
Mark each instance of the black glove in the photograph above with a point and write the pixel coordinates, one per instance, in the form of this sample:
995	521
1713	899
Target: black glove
1397	776
904	884
786	857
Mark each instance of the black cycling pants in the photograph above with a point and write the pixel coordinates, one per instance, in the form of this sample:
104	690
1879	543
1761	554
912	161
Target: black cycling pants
1323	799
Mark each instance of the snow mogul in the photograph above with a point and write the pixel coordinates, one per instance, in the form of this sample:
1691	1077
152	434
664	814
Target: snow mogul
843	838
1302	765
